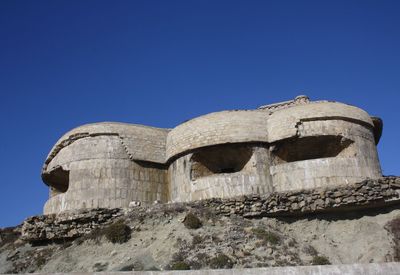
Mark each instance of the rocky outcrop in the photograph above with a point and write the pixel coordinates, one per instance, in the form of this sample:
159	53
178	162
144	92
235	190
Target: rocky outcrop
366	194
45	228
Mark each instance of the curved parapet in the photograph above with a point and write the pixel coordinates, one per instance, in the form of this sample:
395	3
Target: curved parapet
285	123
217	128
106	165
140	142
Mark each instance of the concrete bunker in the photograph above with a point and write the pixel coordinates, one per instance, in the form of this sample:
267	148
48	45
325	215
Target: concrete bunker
219	159
292	145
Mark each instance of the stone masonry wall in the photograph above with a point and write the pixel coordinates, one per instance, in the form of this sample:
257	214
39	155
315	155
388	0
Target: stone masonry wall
364	194
368	193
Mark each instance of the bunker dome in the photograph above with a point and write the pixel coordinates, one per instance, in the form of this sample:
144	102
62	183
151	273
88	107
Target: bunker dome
293	145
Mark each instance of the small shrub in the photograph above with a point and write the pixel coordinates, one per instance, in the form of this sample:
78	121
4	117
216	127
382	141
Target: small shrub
40	257
8	235
180	266
129	267
117	232
393	227
267	236
246	253
282	262
320	260
40	261
215	239
221	261
197	239
200	260
294	257
95	235
310	250
98	267
191	221
292	243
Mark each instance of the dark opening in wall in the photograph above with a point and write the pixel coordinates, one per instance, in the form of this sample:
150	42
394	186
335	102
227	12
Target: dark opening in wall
378	127
57	179
229	158
314	147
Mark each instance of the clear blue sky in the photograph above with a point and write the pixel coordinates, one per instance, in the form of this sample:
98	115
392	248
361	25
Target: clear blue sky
65	63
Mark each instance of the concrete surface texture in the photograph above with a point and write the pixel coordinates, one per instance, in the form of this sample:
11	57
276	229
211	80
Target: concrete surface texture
293	145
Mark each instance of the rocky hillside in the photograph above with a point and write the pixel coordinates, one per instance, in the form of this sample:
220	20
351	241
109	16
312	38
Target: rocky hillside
199	236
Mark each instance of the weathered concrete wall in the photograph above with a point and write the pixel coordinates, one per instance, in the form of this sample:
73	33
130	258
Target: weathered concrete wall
315	173
109	183
101	174
356	161
253	178
355	158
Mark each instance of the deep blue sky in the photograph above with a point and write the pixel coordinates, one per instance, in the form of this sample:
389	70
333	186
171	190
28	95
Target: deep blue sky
159	63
